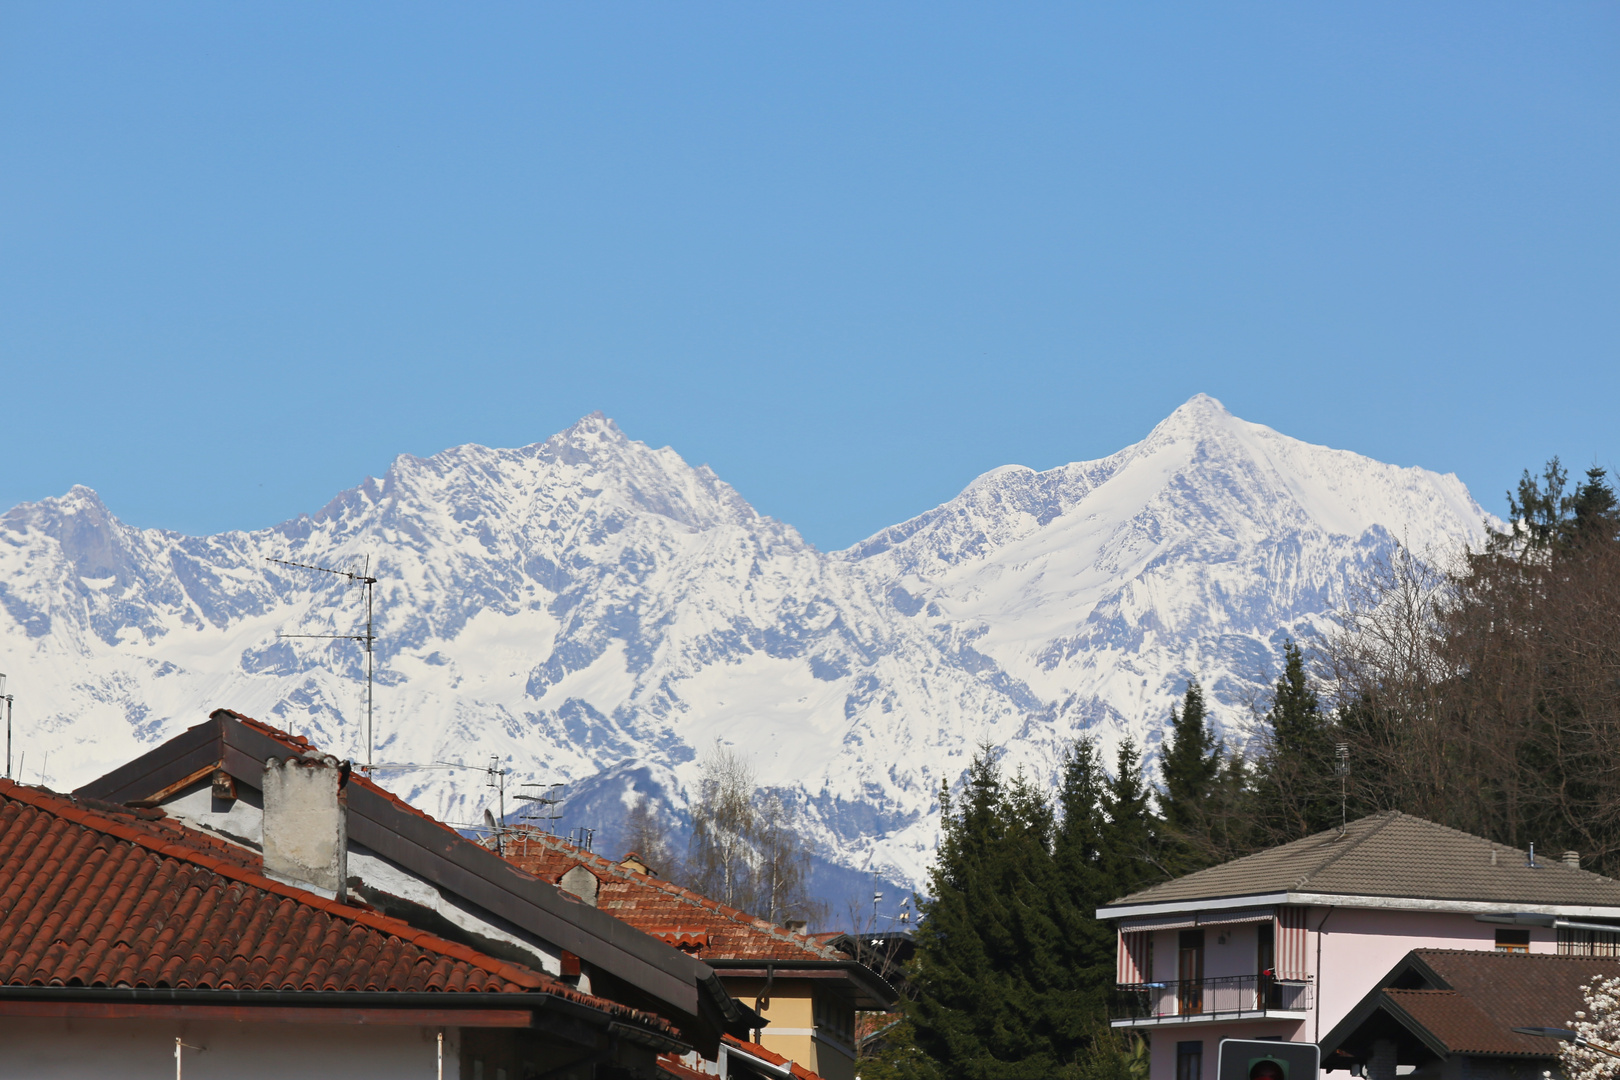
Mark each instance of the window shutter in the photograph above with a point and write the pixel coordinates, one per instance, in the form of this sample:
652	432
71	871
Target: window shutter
1135	957
1292	955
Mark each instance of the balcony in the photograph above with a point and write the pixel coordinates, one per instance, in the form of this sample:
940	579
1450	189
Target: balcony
1195	1000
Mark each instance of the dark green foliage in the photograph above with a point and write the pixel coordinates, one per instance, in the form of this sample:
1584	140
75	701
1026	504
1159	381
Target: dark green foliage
1115	1055
1297	727
1013	973
896	1055
1545	517
1190	764
1080	854
1130	854
1296	782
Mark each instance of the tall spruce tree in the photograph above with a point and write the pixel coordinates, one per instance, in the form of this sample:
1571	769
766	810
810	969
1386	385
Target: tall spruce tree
1083	876
1131	846
1297	789
1190	766
997	997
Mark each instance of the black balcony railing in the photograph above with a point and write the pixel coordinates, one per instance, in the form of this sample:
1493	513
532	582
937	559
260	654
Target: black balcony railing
1190	999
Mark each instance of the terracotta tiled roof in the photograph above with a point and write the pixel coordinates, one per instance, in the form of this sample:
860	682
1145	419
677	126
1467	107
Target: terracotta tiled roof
690	921
1460	1025
100	896
1395	855
1469	1001
771	1056
1512	990
672	1065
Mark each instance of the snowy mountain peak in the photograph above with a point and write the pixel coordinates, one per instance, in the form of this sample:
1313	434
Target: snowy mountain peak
91	538
591	609
1198	415
593	425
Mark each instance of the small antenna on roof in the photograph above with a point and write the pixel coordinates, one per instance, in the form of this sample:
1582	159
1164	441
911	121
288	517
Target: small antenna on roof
547	806
1341	752
7	699
365	581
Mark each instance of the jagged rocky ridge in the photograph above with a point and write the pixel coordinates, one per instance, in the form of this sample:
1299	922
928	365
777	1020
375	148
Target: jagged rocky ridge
591	610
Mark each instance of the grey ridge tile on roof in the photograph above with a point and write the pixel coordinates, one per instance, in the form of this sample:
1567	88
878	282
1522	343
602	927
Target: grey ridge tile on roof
1391	855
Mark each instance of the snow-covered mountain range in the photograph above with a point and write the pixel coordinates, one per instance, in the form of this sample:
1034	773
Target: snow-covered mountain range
592	610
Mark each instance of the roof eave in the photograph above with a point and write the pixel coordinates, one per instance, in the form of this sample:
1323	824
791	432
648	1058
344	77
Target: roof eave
1119	910
467	1001
874	987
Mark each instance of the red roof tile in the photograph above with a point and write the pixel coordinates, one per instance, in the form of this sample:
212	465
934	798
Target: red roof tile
672	1065
688	920
771	1056
100	896
677	1067
1462	1027
1487	994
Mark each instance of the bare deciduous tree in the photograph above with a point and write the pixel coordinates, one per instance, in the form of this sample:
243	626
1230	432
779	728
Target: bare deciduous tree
646	834
1487	696
747	850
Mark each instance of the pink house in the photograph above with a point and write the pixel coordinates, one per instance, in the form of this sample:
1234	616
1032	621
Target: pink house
1285	943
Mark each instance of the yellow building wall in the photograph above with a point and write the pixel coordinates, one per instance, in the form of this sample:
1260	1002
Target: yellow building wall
792	1016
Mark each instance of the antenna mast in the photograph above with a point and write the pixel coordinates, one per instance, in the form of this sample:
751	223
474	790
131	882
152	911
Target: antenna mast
1341	751
365	581
495	777
547	805
7	699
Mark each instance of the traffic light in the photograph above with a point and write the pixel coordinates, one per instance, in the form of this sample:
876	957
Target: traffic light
1262	1059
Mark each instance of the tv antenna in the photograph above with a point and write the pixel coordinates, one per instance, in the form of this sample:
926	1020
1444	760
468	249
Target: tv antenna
366	640
547	804
1341	753
495	777
7	699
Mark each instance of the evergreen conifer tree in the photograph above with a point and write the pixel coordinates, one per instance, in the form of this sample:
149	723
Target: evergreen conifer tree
1084	878
1190	765
997	994
1131	849
1297	790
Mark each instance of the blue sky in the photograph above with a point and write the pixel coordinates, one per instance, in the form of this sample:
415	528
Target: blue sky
850	255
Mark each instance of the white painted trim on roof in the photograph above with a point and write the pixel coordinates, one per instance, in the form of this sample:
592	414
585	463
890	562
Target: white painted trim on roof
1202	917
757	1063
1391	903
1131	911
1468	907
1209	1018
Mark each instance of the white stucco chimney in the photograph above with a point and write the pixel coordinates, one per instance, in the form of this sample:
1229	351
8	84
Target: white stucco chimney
306	832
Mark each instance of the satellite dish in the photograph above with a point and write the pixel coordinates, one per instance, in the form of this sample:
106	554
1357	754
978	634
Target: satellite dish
489	821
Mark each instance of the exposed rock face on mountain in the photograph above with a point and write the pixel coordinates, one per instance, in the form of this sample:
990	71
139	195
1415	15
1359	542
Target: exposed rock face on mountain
591	610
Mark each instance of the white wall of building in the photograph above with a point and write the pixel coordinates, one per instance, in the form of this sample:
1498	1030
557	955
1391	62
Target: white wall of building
52	1049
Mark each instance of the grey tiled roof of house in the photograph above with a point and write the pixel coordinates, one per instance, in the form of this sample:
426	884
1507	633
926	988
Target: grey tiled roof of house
1395	855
